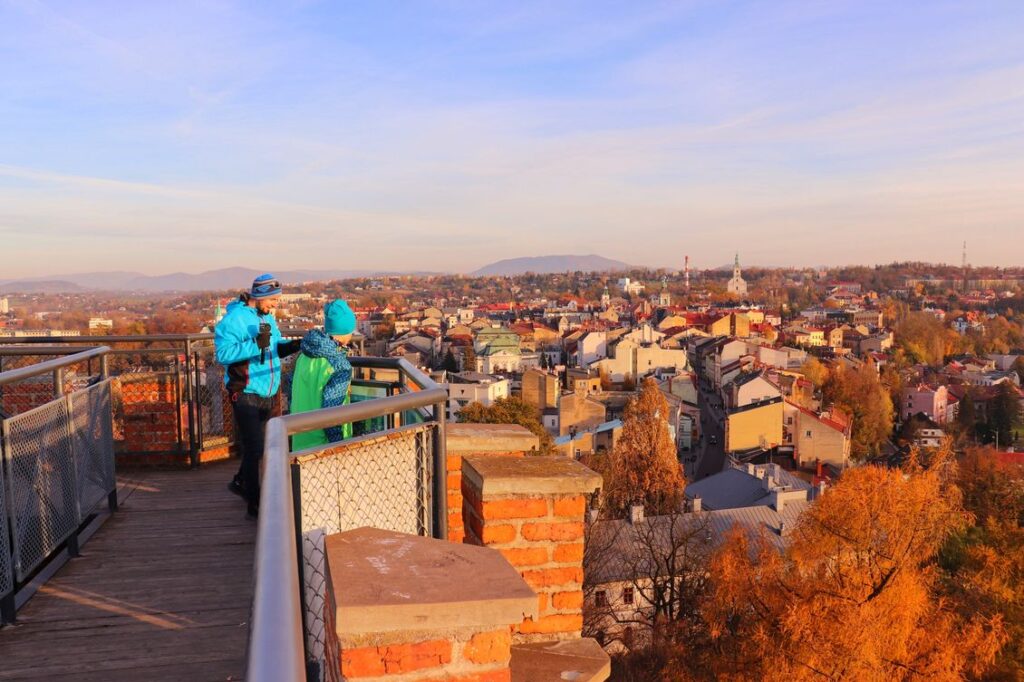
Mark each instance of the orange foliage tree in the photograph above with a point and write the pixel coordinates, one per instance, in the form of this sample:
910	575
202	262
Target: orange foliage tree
643	468
854	596
985	563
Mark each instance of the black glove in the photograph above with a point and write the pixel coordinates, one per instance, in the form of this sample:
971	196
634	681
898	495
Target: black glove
263	338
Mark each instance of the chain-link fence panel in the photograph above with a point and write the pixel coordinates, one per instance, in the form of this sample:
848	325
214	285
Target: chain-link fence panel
6	557
93	444
381	481
213	407
40	464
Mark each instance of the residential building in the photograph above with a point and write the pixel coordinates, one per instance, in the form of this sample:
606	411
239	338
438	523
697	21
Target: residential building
817	436
598	439
579	411
473	387
540	388
930	401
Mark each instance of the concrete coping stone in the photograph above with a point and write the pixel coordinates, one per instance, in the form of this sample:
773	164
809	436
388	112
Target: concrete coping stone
529	475
578	660
385	581
489	438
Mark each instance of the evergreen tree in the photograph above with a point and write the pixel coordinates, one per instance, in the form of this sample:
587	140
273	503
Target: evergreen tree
449	363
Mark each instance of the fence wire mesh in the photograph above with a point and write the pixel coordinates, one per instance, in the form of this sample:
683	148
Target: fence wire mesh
93	444
383	481
43	485
214	421
6	556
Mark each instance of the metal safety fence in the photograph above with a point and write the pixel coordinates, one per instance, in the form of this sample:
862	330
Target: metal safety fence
392	478
56	470
383	481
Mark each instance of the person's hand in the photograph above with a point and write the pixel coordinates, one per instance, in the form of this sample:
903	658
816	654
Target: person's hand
263	338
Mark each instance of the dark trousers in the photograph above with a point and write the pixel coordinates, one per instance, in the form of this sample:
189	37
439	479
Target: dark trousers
251	415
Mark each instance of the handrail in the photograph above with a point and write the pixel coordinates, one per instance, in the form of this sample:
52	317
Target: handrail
276	652
106	338
49	366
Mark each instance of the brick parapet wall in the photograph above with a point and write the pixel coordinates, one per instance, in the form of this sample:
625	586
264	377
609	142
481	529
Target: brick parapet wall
535	519
490	440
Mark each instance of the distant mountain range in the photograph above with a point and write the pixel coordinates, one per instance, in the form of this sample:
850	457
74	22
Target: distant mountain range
240	278
211	280
550	264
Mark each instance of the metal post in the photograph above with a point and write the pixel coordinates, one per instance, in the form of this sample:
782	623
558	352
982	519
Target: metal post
197	403
440	492
58	383
193	449
104	367
8	612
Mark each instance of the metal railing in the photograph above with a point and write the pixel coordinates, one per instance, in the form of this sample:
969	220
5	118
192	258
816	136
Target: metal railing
175	363
283	643
56	469
182	365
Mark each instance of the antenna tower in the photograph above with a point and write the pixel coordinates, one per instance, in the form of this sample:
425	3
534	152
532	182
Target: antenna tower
963	265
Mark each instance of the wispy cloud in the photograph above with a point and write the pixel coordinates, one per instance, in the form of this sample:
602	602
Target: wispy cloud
444	135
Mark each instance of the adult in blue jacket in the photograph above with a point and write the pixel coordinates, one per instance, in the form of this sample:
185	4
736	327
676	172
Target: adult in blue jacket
250	347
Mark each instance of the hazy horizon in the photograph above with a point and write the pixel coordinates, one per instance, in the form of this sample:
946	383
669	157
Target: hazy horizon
444	136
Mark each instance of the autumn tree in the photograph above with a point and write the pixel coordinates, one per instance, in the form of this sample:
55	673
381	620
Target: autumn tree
814	371
468	359
854	596
924	338
984	564
664	560
643	466
859	392
509	410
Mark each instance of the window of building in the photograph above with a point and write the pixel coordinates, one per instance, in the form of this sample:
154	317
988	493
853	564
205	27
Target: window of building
627	637
600	637
600	598
808	434
627	595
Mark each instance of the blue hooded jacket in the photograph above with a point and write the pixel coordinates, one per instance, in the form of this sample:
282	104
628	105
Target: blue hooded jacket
235	341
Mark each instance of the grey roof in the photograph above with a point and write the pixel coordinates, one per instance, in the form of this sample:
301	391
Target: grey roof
618	550
734	488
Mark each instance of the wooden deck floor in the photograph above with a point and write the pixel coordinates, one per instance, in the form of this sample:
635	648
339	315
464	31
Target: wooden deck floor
161	592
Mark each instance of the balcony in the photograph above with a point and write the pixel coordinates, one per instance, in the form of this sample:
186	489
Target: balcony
168	557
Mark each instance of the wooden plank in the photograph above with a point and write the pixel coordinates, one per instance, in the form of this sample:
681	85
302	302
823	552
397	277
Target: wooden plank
161	592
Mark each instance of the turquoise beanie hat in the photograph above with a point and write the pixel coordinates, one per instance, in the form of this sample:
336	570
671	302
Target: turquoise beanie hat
339	318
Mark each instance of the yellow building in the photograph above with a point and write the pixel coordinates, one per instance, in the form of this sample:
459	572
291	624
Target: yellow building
754	426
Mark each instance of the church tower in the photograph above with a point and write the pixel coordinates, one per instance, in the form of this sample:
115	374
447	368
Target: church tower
606	299
737	285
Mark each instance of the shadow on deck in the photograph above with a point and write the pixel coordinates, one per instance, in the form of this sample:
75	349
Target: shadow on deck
162	591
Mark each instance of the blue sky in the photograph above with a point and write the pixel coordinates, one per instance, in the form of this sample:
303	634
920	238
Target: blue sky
445	135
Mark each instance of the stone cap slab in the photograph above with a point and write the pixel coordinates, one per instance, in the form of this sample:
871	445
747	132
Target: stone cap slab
385	581
529	475
490	438
577	660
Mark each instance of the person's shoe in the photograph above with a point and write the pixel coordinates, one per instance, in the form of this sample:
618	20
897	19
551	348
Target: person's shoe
252	513
236	487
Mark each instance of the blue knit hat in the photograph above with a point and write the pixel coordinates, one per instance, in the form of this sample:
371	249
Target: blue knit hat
264	286
339	318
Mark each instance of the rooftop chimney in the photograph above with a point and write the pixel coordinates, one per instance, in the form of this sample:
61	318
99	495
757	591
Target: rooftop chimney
636	514
696	504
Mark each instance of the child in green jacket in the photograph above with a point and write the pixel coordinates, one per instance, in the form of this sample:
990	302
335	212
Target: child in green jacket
323	374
